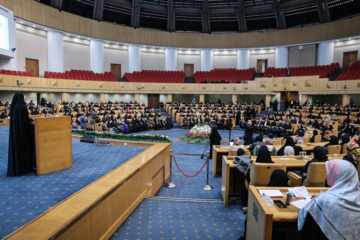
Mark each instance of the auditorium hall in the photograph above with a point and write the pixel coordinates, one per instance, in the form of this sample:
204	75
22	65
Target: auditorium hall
179	119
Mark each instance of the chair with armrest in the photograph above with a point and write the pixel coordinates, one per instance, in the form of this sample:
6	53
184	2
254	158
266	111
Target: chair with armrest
260	173
334	149
316	175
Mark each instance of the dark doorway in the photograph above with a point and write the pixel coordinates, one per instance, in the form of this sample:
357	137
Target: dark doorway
287	96
189	70
153	100
349	58
261	65
32	65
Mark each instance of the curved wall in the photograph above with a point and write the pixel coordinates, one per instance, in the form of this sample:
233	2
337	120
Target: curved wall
53	18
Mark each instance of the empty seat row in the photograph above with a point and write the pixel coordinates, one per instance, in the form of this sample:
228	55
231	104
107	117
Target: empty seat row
16	73
82	75
352	73
224	75
323	71
155	76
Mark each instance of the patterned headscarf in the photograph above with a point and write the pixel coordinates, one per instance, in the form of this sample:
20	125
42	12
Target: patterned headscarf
354	150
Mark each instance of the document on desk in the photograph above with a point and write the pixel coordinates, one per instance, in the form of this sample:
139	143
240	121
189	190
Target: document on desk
301	203
299	192
271	193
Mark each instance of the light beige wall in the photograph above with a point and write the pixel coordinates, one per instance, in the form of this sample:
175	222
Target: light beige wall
76	54
345	46
302	57
31	43
152	59
118	55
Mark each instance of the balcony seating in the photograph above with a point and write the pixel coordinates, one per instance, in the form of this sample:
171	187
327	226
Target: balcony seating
351	73
224	75
323	71
82	75
155	76
16	73
275	72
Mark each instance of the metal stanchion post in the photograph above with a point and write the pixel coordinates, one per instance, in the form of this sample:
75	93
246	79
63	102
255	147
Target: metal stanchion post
170	184
207	187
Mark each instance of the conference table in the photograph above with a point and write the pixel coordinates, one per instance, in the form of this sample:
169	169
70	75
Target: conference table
221	150
233	181
266	223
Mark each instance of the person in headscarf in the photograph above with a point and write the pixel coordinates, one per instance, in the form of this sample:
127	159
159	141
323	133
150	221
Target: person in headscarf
353	153
215	138
320	155
21	155
289	142
333	140
315	133
236	145
278	178
334	214
289	151
240	152
264	155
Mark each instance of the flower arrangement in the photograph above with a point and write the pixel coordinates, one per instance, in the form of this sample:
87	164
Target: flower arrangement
198	134
130	137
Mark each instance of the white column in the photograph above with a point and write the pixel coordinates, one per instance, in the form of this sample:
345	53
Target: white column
325	54
11	48
97	56
134	58
206	59
243	59
55	46
282	57
170	59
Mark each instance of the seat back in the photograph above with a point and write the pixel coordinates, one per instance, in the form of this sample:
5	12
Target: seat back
344	151
260	173
234	152
317	138
334	149
316	175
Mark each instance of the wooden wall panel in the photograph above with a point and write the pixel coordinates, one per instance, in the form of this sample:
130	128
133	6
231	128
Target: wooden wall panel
261	86
47	16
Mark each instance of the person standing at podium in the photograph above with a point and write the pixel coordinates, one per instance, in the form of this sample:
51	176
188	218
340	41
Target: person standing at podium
21	141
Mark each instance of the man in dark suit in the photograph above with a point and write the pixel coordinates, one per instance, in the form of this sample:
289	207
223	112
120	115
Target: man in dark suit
249	131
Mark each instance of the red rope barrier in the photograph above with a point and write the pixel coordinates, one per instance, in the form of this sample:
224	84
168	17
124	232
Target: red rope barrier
195	173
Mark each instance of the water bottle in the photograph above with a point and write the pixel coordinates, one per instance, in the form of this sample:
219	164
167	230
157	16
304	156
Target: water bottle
267	200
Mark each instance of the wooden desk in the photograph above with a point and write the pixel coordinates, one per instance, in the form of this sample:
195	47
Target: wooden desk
221	150
232	181
218	152
266	223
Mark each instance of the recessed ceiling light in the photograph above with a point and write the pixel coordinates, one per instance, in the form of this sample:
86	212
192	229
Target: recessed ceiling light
33	25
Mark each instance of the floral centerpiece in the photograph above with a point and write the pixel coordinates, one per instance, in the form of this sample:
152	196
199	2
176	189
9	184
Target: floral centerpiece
198	134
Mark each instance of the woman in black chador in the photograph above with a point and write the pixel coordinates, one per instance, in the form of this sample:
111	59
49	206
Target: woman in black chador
215	139
21	148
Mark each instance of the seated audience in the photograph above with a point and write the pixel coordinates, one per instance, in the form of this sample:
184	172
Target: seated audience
289	142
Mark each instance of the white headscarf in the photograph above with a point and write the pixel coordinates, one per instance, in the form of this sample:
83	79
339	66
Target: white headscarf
337	211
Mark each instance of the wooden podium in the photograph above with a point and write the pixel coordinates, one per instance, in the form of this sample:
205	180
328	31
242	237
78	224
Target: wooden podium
53	144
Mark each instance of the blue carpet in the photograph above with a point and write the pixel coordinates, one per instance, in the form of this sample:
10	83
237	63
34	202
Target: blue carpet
186	211
162	219
24	198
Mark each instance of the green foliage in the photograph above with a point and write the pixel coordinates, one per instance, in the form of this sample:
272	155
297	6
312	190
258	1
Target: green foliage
130	137
195	139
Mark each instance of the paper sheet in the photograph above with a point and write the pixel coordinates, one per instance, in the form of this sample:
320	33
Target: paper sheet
299	192
301	203
271	193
